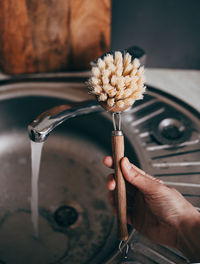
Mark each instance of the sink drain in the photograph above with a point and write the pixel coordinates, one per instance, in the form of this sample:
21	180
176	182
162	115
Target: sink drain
66	216
171	130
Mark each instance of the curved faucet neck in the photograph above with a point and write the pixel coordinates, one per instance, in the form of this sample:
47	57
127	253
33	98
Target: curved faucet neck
42	126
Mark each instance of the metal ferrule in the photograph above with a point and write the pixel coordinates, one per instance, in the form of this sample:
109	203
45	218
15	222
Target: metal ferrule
117	133
117	124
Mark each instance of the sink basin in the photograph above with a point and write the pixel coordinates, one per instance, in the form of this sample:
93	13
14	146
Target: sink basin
76	224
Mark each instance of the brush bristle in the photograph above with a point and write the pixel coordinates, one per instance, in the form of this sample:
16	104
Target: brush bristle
117	81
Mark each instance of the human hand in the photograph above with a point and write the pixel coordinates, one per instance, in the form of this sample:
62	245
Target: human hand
154	209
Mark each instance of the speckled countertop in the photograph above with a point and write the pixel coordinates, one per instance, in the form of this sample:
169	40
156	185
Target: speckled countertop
184	84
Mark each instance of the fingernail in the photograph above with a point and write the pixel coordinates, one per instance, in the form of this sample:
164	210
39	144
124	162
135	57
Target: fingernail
127	164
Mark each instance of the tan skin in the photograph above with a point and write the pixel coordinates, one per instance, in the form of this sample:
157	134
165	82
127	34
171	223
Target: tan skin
157	211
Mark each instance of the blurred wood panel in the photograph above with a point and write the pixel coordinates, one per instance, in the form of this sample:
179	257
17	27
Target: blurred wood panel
52	35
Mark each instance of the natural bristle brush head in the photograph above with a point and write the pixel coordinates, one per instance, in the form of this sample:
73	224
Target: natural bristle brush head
117	81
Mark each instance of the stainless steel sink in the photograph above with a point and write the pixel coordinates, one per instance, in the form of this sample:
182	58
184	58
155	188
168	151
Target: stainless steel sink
76	222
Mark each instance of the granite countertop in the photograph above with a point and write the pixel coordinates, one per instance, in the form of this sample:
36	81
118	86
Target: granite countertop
184	84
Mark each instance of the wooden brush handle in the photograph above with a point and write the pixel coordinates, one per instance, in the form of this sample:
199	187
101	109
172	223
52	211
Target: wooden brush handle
120	194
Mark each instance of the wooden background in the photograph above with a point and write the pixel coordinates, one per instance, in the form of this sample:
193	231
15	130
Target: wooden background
52	35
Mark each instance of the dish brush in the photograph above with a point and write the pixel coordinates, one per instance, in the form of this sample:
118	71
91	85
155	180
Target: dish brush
118	80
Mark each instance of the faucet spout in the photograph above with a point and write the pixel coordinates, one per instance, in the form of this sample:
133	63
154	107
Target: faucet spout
42	126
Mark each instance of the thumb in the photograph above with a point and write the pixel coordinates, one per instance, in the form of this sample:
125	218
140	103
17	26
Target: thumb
144	182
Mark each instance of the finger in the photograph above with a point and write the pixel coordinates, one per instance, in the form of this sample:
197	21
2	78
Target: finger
144	182
108	161
111	184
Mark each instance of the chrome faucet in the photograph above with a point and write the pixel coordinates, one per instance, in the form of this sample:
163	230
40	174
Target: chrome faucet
42	126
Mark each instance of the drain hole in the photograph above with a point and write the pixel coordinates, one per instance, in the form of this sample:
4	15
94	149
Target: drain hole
171	130
65	216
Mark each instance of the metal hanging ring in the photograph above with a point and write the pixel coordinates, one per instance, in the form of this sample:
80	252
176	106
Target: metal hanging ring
116	121
124	248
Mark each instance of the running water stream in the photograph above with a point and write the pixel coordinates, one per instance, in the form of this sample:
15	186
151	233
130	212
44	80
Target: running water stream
36	150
